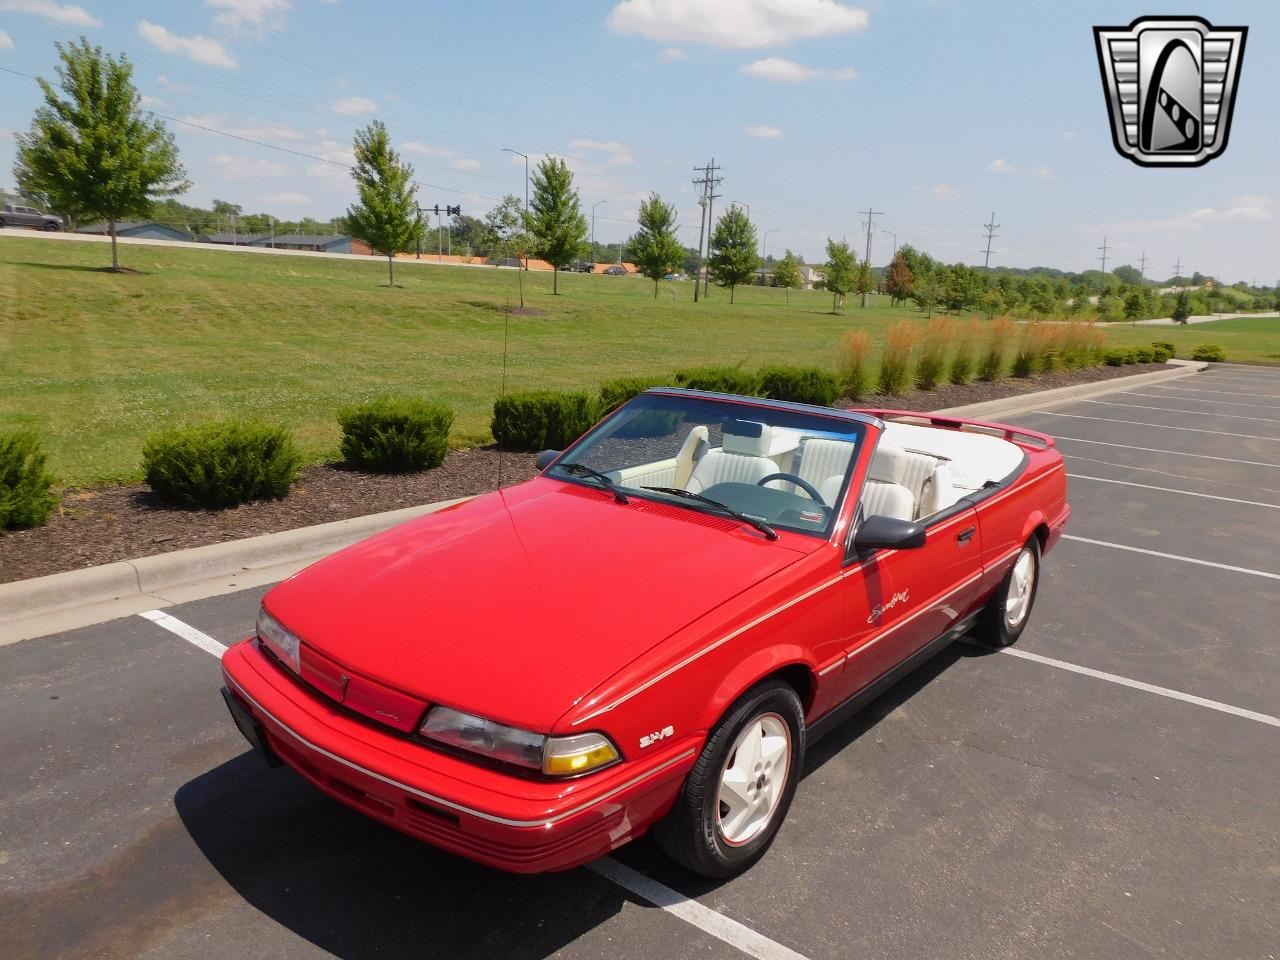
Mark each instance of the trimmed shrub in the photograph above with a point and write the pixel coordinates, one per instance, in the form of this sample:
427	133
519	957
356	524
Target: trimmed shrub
395	434
931	359
1143	354
961	369
853	363
26	488
799	385
1159	354
1117	357
542	419
221	464
1166	346
1210	352
991	363
614	393
895	361
720	380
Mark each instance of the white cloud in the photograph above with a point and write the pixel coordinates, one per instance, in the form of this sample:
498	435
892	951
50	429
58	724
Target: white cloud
1001	165
1251	208
673	53
1068	134
199	49
6	134
945	191
250	131
762	131
781	70
285	198
151	102
257	16
1043	173
620	153
465	163
741	24
327	171
64	13
416	146
353	106
6	41
239	168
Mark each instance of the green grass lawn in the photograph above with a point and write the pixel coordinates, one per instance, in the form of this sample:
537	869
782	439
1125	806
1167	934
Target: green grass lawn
95	361
1245	339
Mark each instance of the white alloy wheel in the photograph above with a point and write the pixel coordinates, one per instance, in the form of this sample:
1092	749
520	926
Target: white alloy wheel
753	779
1022	581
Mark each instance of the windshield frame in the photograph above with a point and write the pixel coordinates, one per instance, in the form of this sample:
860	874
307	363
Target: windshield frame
831	530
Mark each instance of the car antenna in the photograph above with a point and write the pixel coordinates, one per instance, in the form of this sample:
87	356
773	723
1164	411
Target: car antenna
502	392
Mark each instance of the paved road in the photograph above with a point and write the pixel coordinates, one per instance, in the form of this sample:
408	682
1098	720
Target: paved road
990	806
1169	321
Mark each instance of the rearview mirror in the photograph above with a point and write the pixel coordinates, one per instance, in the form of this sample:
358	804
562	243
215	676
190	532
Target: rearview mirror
546	458
876	533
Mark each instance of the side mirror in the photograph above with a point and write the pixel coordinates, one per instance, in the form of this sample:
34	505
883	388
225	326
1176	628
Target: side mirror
876	533
545	458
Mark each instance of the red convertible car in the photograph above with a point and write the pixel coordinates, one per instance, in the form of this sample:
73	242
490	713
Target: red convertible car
649	633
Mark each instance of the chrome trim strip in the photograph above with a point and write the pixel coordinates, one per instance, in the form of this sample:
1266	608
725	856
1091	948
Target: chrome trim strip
707	649
441	801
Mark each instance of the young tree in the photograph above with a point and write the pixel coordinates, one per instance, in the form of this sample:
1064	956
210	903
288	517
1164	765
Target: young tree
733	250
1182	308
505	224
387	216
866	281
840	272
786	274
926	292
555	221
655	248
1134	304
91	151
901	282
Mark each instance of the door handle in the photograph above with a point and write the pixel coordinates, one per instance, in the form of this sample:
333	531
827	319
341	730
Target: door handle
964	536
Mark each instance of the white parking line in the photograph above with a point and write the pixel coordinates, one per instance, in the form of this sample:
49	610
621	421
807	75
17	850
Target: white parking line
1158	426
672	901
690	911
1077	458
1194	413
1186	493
1226	403
1174	453
1135	684
186	632
1230	393
1173	556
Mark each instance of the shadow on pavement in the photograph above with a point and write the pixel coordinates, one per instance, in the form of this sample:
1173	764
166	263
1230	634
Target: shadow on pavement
360	890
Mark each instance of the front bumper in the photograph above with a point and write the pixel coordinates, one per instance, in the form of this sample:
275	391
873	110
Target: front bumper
505	821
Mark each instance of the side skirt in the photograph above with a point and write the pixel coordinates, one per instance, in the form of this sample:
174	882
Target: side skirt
847	708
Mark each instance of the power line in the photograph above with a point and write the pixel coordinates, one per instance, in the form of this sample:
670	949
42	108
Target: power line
991	233
870	215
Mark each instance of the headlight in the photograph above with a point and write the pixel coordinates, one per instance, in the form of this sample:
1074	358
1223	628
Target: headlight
282	643
555	756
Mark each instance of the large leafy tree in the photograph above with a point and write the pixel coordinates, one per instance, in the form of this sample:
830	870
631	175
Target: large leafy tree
786	274
900	283
655	248
840	271
733	250
505	223
387	216
555	220
91	151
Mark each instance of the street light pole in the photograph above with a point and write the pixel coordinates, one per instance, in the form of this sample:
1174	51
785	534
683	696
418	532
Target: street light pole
593	233
764	248
895	244
739	203
526	187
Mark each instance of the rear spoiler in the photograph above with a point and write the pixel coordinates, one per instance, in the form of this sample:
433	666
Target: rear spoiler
1018	435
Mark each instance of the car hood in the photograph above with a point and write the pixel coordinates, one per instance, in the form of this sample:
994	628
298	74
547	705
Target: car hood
515	605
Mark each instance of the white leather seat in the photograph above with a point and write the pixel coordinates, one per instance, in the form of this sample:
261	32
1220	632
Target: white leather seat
928	478
691	453
885	495
741	458
824	463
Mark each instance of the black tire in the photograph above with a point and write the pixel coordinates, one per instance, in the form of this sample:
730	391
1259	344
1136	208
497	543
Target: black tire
52	227
691	833
994	626
2	223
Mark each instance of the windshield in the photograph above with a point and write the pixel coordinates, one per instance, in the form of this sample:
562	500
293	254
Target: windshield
786	468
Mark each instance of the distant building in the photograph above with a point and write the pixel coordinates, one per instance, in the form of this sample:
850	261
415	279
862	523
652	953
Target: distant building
330	243
147	230
810	275
237	239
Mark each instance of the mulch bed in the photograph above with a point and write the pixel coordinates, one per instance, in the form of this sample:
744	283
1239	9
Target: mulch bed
104	524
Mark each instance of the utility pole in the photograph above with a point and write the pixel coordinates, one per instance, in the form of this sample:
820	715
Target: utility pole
593	232
1142	266
991	234
1104	248
870	214
1177	274
708	181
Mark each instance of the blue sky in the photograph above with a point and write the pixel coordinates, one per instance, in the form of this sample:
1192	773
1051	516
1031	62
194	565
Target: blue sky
935	112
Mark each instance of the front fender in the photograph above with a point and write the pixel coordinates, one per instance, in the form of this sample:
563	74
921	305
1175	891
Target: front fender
751	671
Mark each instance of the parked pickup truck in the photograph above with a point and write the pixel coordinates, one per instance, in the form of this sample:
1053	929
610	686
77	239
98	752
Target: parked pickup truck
13	215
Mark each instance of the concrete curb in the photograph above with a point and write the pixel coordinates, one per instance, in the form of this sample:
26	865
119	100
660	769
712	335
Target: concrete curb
1028	402
61	601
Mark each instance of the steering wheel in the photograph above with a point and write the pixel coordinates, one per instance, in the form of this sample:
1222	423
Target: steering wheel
804	485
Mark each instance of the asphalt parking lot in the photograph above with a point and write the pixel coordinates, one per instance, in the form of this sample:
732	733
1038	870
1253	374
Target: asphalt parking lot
989	806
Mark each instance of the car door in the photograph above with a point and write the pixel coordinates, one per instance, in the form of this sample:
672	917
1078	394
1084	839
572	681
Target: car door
897	601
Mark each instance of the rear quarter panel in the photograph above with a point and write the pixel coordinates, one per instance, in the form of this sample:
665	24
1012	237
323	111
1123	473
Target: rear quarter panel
1035	501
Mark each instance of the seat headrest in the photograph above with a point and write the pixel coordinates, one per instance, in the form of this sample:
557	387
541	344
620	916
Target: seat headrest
746	438
889	465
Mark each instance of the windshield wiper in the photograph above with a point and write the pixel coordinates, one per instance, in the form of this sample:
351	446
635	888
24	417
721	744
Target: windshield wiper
756	522
604	478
